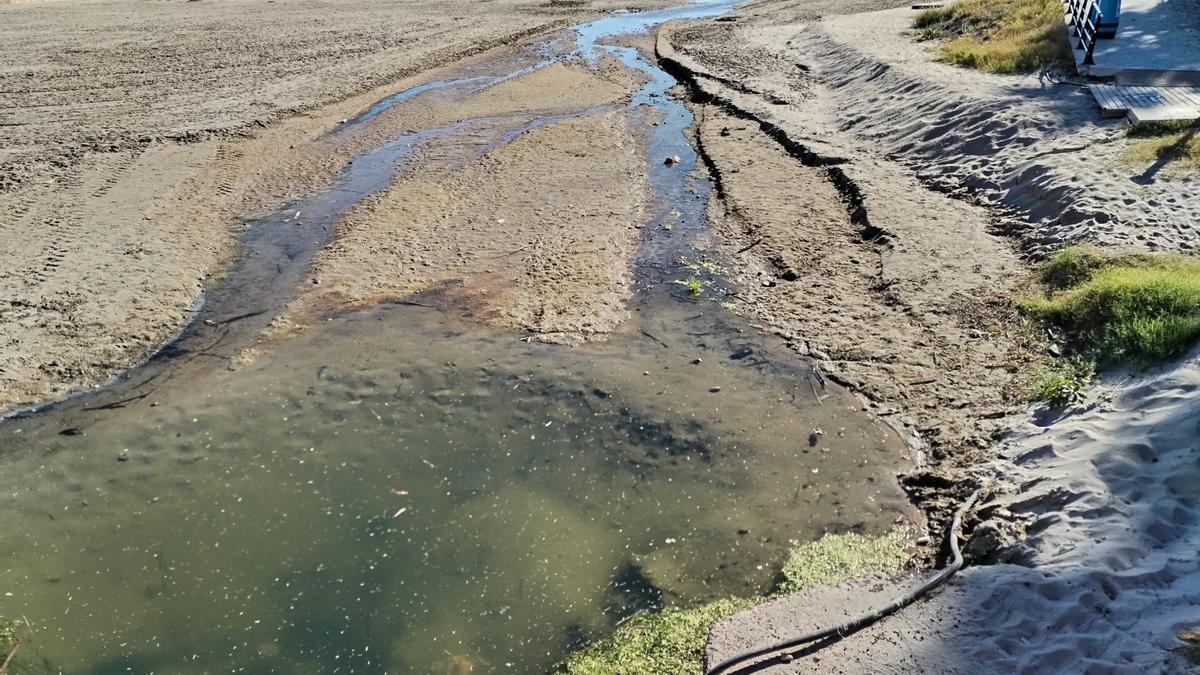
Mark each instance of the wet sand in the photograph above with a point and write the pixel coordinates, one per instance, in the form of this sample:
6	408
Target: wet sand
401	474
125	172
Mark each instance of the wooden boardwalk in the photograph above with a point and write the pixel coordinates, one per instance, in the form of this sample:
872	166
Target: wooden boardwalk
1148	104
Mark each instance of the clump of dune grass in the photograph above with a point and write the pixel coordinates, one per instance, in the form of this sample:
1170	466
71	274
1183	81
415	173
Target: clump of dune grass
1063	383
672	641
1137	309
1176	144
999	36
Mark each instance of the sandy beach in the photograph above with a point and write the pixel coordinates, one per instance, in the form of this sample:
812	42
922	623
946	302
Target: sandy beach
775	247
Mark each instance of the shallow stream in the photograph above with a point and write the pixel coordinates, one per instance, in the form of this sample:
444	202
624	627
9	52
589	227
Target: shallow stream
399	491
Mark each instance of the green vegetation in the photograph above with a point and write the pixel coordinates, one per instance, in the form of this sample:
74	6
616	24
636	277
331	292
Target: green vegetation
695	285
1063	383
1176	144
999	36
10	640
1137	309
673	640
836	557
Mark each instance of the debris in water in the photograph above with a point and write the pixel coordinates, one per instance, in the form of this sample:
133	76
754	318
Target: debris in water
741	353
672	160
400	512
400	493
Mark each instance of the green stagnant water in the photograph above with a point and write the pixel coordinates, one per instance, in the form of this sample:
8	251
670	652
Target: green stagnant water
399	491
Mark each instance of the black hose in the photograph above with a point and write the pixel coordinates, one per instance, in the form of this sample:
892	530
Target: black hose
861	622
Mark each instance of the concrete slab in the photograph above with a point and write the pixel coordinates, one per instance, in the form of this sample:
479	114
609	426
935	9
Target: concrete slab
1158	44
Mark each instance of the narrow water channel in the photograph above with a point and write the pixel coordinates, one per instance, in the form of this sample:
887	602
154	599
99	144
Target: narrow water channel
399	491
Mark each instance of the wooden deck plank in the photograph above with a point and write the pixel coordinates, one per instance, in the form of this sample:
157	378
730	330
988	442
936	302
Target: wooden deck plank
1148	103
1104	96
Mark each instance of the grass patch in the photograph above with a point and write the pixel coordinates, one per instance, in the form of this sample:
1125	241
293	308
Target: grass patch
1063	383
1175	144
999	36
9	635
836	557
1136	309
672	641
694	284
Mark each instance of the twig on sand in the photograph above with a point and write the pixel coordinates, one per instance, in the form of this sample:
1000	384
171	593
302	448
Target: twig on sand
664	344
16	644
752	244
515	250
814	389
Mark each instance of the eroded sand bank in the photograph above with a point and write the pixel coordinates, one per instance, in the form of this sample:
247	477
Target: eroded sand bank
1093	510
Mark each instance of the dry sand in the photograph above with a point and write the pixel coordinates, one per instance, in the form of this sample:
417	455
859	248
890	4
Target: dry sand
134	136
1033	146
1109	494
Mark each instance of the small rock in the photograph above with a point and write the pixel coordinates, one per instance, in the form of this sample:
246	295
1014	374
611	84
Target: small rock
697	361
1055	351
975	334
122	457
714	390
922	541
672	160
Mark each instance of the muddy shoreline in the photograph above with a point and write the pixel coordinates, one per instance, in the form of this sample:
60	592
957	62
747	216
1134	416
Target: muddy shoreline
948	416
147	198
410	383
